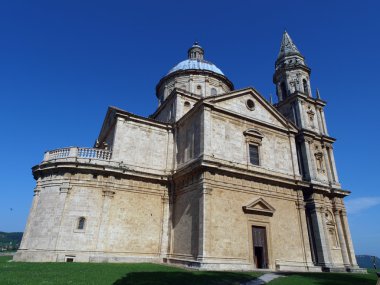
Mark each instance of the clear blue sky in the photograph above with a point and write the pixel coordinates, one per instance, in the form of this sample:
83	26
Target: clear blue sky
62	63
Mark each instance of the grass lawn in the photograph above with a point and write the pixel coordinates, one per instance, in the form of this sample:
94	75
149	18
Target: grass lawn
111	273
327	279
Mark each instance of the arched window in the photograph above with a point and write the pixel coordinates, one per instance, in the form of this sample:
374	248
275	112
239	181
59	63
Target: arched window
283	91
81	223
213	92
305	87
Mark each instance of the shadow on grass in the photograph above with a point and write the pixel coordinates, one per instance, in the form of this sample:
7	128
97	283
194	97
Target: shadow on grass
183	278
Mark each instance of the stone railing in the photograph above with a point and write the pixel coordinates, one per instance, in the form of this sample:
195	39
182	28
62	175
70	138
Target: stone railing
79	152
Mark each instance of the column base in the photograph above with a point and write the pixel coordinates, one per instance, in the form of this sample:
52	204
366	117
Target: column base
297	266
356	269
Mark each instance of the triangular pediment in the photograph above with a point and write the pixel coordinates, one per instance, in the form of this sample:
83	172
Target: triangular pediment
250	104
260	207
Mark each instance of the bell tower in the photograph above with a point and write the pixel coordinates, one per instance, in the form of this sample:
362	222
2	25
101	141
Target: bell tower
323	196
292	74
296	102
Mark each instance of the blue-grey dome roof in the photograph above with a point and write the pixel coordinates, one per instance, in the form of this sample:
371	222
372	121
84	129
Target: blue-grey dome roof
196	64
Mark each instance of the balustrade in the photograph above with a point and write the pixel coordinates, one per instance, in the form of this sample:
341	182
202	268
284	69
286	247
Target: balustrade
79	152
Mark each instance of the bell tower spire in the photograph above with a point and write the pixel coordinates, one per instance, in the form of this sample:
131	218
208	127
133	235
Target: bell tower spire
291	75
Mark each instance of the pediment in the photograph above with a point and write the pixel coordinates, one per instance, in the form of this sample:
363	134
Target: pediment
249	103
260	207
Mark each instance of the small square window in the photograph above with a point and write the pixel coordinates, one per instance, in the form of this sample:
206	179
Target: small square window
254	154
69	258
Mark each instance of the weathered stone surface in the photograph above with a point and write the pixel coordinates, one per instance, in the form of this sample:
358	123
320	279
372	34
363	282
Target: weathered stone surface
179	187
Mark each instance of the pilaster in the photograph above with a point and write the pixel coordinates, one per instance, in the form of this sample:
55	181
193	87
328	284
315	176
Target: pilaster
324	122
64	191
203	200
301	114
165	225
341	237
319	119
350	246
310	160
333	165
102	243
300	204
322	248
327	165
36	198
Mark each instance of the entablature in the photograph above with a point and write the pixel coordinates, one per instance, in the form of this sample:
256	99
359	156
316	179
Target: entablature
303	97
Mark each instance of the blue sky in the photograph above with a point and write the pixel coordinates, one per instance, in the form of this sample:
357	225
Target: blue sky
63	62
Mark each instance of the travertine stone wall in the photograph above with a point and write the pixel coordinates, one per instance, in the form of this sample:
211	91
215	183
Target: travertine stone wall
188	139
200	85
168	111
277	152
175	107
186	222
259	112
225	212
114	226
135	142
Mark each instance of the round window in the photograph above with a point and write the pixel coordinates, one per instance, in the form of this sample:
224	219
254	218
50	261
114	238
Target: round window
250	104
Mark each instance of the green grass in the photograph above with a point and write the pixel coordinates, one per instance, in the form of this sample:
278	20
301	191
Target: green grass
327	279
144	274
111	273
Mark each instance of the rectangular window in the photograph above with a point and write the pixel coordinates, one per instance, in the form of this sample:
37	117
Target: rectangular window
254	154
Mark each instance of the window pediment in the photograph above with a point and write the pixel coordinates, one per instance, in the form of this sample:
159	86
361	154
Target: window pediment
259	207
252	135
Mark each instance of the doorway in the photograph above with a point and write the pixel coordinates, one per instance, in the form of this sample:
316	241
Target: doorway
260	250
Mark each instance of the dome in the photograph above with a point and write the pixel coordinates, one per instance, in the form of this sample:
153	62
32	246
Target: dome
194	75
196	64
195	61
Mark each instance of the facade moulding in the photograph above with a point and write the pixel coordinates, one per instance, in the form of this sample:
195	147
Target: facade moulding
191	72
304	133
204	165
171	97
76	167
298	95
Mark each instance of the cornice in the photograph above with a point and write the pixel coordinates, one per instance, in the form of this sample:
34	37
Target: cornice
172	95
140	119
203	163
193	72
300	95
307	134
99	167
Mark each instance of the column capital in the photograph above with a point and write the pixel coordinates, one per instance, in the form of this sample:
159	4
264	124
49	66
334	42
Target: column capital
207	190
37	191
65	188
300	204
165	197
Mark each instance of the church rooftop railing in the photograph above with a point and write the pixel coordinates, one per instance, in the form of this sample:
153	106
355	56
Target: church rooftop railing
79	152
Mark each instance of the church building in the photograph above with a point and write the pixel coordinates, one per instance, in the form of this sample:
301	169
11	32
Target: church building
216	179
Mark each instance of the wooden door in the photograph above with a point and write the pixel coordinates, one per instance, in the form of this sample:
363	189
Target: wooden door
260	250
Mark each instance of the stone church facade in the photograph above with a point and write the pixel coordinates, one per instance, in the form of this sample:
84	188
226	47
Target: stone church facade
216	179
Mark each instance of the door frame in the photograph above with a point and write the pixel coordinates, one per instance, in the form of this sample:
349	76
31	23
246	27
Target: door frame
254	222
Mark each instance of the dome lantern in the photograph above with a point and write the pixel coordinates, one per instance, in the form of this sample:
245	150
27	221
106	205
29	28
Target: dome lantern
195	52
